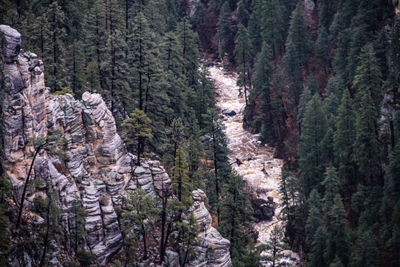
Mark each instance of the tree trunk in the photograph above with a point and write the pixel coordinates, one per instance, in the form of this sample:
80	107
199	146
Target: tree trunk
21	205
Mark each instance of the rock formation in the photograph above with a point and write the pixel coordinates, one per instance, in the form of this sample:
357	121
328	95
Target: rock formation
96	167
213	249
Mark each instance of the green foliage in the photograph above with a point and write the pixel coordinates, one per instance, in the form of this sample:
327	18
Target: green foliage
180	180
63	91
225	34
298	50
137	130
242	56
138	221
275	247
310	149
343	143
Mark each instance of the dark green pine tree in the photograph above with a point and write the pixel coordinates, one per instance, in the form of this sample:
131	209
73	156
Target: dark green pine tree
190	51
242	13
316	254
95	32
142	60
76	68
262	82
272	25
224	30
306	95
344	137
391	193
114	69
54	48
394	59
323	48
325	12
236	215
365	252
368	76
311	166
314	218
337	242
366	146
298	49
242	56
254	26
394	241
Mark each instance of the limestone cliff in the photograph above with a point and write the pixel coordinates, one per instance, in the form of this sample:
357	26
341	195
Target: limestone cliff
97	165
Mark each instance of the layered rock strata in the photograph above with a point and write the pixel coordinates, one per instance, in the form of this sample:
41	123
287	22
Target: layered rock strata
96	169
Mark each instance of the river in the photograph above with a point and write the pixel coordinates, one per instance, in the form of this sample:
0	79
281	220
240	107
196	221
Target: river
259	168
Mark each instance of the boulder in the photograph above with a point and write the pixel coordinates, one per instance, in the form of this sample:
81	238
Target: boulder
10	43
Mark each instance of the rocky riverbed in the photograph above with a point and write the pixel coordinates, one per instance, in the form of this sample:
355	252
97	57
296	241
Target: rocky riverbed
253	161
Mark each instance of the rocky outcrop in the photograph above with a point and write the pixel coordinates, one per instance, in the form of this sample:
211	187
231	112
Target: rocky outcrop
94	166
213	249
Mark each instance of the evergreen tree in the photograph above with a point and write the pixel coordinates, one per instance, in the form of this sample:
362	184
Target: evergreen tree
317	248
298	50
242	56
310	148
275	246
368	76
224	30
236	215
242	13
323	47
54	47
314	218
141	215
365	252
272	25
343	144
138	129
262	82
366	146
180	179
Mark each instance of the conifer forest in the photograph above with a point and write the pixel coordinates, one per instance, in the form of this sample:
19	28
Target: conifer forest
200	133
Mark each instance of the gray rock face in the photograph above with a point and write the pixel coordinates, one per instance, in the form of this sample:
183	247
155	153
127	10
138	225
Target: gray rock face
98	170
213	249
97	166
10	43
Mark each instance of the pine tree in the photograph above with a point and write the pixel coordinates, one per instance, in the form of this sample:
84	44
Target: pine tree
272	25
242	13
305	96
314	218
114	70
368	76
394	58
242	56
180	179
365	252
93	77
224	30
310	148
323	47
317	249
337	244
141	215
343	143
236	215
367	148
298	50
262	82
54	47
138	130
275	246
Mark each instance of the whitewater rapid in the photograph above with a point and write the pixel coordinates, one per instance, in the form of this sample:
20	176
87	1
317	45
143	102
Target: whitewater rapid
260	169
